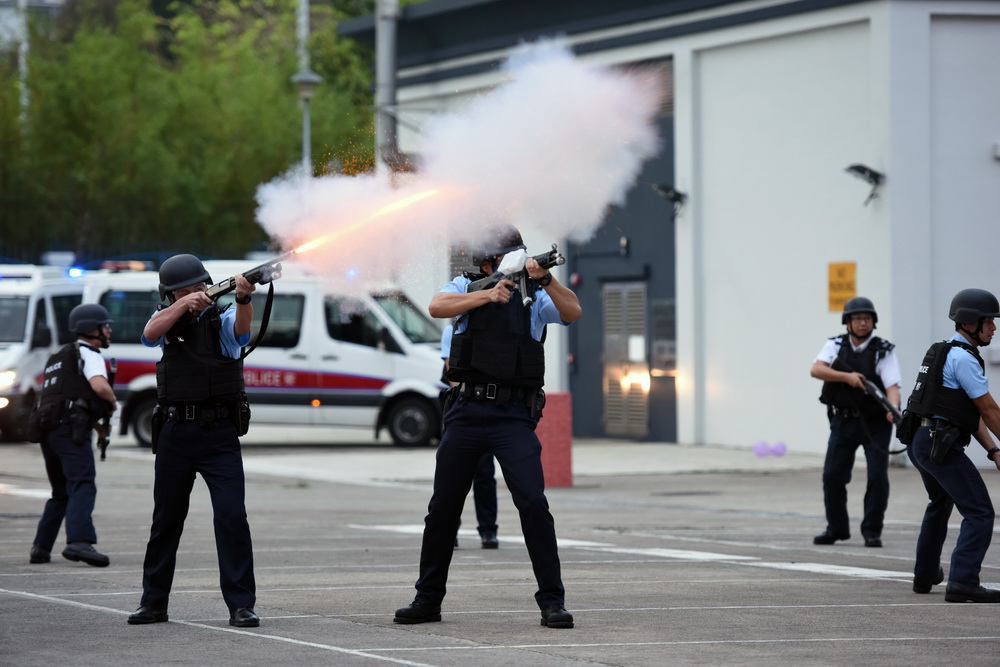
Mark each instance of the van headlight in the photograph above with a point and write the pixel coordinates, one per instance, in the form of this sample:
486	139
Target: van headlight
7	379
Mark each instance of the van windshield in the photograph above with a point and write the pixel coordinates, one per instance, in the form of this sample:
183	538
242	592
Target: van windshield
13	317
418	327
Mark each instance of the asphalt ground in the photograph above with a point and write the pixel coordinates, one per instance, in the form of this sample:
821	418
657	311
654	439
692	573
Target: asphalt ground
671	555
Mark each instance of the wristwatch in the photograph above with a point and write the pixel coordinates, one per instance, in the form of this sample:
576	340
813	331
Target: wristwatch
244	301
545	280
993	452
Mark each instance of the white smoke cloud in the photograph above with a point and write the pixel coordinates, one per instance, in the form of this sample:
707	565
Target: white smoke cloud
550	148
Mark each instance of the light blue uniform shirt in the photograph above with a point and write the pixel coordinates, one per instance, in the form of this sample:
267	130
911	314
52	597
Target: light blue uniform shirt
543	311
962	371
232	346
446	341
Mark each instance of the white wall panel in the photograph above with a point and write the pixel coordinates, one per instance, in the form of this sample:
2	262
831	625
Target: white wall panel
778	121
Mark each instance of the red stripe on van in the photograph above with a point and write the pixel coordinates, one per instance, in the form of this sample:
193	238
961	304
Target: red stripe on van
265	377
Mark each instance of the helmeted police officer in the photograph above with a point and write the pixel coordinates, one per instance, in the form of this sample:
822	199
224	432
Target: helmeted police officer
75	396
856	419
199	383
499	362
952	401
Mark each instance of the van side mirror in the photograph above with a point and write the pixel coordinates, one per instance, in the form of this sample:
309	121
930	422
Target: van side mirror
387	342
42	337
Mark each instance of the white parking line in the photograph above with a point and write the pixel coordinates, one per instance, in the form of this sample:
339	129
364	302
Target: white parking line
14	490
260	635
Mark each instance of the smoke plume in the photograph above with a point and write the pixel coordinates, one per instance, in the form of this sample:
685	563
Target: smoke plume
547	150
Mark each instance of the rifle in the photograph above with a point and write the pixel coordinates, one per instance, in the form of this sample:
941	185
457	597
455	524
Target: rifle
512	268
104	439
261	275
872	390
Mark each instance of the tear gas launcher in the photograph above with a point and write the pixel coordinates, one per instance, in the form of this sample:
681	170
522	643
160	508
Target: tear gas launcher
260	275
512	268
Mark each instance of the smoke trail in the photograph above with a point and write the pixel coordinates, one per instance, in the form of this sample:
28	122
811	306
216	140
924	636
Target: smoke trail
548	150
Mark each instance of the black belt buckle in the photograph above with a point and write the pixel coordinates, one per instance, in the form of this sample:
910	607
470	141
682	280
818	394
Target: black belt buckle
190	412
485	392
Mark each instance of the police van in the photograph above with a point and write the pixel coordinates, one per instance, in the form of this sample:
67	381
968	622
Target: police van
35	302
325	359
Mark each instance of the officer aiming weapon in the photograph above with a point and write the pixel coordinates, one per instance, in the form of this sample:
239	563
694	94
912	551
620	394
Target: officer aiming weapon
512	268
104	429
260	275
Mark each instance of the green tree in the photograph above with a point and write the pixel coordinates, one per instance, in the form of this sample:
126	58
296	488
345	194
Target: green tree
152	133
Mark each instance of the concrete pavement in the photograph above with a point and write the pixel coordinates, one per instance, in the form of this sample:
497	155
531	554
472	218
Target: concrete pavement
671	555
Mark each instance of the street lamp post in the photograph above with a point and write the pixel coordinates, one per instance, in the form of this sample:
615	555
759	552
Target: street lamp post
306	80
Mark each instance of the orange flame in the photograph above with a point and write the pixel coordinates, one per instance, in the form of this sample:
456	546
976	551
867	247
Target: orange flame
388	208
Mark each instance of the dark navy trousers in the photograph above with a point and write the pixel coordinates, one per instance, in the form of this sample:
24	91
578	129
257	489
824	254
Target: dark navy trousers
956	482
846	435
185	448
484	493
72	474
473	429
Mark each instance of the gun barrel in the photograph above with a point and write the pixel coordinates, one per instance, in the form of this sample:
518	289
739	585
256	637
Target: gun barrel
260	274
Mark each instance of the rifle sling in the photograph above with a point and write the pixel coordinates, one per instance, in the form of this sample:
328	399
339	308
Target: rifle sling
253	346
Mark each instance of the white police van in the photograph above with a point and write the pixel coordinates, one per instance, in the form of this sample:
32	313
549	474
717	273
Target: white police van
324	360
35	302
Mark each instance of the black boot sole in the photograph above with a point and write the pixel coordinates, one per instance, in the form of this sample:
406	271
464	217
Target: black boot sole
403	620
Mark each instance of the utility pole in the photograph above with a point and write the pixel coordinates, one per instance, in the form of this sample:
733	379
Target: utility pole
22	61
387	15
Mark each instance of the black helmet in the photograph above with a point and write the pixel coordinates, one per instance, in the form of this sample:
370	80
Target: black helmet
87	317
182	271
859	304
971	305
500	241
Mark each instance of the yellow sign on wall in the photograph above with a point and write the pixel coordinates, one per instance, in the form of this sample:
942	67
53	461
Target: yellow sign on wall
842	284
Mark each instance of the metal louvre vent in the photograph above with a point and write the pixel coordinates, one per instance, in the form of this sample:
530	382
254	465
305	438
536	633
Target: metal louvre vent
626	366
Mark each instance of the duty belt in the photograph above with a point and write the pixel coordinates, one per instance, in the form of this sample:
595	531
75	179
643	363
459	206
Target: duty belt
846	413
204	413
491	391
933	422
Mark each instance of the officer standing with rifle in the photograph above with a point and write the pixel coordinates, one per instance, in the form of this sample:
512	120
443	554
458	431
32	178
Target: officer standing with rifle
498	361
75	395
950	404
202	412
845	364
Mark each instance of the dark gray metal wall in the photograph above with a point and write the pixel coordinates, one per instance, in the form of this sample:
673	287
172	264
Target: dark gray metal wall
647	222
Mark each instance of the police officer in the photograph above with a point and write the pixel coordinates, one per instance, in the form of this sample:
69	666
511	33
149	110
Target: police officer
844	363
75	395
499	362
484	484
199	383
953	402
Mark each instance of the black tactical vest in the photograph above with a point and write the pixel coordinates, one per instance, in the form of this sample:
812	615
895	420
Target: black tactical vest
64	381
841	394
497	346
930	397
193	368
